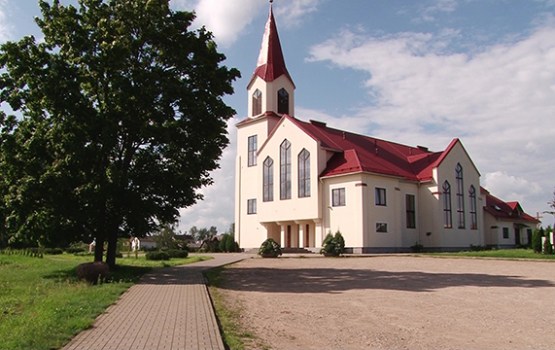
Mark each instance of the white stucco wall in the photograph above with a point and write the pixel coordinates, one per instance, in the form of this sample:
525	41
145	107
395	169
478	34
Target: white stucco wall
456	237
295	208
269	94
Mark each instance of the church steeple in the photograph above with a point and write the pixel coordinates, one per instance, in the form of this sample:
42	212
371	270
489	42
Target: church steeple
271	87
271	64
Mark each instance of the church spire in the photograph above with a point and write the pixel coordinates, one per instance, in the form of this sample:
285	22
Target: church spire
271	64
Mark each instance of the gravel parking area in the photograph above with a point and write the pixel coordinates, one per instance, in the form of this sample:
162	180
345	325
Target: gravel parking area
395	302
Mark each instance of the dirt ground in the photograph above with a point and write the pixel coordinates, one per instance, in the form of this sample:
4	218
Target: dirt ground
395	302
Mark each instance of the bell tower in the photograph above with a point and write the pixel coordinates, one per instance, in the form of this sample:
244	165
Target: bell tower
271	88
270	96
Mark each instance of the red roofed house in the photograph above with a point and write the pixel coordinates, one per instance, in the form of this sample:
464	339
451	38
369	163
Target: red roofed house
296	180
505	223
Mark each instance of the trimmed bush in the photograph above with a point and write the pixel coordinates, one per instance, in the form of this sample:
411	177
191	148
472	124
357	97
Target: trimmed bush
93	272
269	248
53	251
333	245
157	255
177	253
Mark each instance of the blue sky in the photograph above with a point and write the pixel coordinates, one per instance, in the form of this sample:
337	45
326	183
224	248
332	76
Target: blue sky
413	72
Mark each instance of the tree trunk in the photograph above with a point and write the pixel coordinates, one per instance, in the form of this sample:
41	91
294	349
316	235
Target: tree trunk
99	249
112	249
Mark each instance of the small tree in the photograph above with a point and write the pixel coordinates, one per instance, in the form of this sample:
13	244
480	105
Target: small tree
547	246
333	245
537	240
165	239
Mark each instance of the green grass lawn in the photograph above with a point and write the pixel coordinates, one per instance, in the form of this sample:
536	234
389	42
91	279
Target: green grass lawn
42	305
500	254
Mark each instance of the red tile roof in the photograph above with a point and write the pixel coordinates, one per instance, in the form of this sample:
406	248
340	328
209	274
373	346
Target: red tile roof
359	153
271	64
511	211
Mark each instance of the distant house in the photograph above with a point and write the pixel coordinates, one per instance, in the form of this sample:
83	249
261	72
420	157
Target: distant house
298	180
505	223
147	243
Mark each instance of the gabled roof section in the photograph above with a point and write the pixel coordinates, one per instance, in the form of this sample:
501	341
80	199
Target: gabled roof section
511	211
449	149
271	64
359	153
266	115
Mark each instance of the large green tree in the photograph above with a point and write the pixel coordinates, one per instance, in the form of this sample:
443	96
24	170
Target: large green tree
119	121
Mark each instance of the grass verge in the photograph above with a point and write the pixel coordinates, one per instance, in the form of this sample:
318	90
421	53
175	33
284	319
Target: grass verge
228	312
499	254
43	305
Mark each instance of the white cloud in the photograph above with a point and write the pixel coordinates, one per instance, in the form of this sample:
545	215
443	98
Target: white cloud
5	28
225	19
499	101
293	12
438	7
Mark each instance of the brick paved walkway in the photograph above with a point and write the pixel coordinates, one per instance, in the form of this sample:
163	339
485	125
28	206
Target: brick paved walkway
168	309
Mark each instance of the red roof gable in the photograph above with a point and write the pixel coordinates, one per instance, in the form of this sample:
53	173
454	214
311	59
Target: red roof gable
356	153
271	64
511	211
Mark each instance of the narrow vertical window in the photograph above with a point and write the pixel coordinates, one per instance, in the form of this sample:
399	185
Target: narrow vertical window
447	216
285	170
304	173
380	196
338	197
411	210
268	180
256	102
460	195
283	101
252	150
473	212
251	206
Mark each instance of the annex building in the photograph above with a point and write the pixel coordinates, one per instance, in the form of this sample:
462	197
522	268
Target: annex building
298	180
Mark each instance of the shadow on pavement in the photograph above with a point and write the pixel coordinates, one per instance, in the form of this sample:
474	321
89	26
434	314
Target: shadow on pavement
329	280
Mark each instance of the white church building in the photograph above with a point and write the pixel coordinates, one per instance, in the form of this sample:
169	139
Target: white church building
298	180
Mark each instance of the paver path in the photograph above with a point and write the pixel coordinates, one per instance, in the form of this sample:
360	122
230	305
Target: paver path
167	309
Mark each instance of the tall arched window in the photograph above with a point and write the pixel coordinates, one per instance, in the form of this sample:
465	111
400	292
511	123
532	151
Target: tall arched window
473	211
304	173
283	101
285	170
460	195
256	102
447	217
268	180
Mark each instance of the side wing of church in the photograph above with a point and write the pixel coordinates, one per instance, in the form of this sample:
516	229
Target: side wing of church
298	180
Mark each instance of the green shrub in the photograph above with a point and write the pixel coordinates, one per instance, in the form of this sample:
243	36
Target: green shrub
547	247
333	245
157	255
269	248
177	253
537	240
227	244
75	250
53	251
417	247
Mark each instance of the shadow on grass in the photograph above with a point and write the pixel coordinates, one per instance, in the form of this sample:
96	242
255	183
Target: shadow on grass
121	273
329	280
